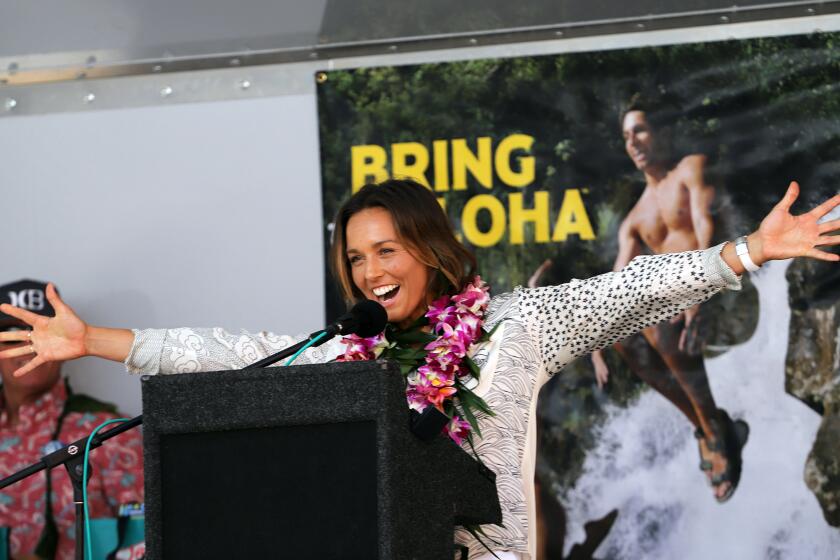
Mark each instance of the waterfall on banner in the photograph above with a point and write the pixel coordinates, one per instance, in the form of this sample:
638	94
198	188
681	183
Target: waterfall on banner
646	464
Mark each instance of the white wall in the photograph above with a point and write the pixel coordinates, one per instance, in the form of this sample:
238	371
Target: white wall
202	214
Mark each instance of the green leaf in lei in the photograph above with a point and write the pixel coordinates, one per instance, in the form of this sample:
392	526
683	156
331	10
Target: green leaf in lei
407	348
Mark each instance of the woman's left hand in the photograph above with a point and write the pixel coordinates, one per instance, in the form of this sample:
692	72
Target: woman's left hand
782	235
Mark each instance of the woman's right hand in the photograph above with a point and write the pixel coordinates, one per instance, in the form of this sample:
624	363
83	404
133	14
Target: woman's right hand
51	339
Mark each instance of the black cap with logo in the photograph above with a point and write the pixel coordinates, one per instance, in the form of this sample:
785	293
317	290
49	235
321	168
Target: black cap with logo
26	294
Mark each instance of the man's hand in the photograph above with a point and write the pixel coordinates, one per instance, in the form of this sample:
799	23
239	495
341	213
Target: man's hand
602	371
689	331
534	280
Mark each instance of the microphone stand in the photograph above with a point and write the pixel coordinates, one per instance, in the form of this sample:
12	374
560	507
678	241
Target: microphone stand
72	457
290	351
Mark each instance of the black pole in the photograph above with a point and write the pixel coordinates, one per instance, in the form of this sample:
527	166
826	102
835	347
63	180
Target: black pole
75	469
80	529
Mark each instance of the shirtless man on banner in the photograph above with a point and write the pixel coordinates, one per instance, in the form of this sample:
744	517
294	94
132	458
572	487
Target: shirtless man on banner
674	214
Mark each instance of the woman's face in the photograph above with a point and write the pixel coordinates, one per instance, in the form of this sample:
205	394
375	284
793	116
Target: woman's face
384	269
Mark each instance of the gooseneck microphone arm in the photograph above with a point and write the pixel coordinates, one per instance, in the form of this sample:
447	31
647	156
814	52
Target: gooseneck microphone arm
367	318
284	353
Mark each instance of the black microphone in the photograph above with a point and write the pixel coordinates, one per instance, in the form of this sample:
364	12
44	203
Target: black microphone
367	318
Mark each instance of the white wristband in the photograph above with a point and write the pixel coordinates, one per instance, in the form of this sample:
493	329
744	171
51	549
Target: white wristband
743	252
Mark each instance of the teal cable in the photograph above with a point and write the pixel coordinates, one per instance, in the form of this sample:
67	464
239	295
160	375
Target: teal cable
88	547
305	346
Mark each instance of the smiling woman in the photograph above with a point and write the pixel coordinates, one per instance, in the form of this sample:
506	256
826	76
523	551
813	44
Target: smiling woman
394	244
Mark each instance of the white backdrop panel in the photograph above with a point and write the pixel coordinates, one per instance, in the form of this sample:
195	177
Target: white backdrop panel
201	215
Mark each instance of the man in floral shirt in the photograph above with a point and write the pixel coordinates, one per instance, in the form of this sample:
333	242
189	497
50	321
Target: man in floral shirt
36	412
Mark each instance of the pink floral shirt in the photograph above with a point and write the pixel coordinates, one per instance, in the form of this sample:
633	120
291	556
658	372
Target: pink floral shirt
117	472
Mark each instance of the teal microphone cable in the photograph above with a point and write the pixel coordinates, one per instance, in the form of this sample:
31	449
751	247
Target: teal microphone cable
305	346
88	547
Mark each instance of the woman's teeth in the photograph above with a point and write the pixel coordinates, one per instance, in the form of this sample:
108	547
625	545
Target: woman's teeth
386	292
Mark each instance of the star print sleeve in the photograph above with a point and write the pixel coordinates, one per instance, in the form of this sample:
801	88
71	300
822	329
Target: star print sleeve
573	319
184	350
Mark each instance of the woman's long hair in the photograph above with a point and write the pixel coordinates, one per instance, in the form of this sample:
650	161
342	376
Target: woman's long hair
422	226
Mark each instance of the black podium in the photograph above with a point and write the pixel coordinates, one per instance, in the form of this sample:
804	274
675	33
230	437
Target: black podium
313	461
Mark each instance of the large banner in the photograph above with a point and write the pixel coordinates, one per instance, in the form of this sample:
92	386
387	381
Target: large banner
566	166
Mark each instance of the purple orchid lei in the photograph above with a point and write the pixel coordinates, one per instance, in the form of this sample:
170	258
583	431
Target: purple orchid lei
436	372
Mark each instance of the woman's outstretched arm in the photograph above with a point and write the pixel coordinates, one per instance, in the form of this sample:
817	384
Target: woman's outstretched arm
153	351
574	319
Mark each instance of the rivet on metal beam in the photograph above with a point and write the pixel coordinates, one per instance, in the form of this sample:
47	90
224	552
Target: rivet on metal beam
724	19
558	33
235	62
640	26
166	91
392	48
10	103
473	41
811	11
157	68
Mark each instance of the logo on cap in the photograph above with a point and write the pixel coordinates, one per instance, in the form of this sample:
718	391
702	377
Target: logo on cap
32	299
25	294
